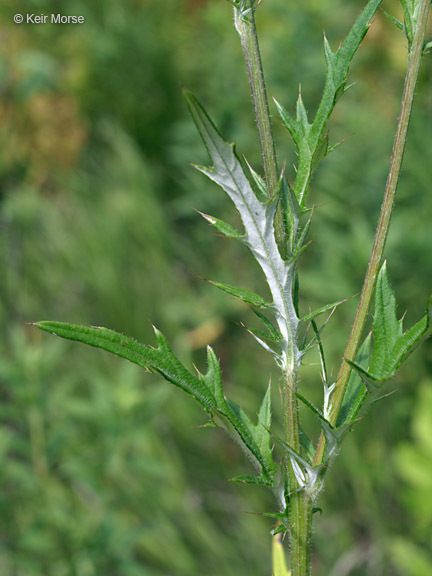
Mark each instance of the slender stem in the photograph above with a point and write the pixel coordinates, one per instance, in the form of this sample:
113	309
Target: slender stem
245	25
300	505
376	257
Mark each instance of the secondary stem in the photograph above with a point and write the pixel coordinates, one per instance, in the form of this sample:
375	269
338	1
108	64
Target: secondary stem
376	257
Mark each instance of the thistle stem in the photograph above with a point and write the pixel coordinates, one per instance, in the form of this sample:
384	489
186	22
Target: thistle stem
244	19
300	506
376	257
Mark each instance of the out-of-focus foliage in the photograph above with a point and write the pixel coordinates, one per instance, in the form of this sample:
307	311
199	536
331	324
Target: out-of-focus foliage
97	226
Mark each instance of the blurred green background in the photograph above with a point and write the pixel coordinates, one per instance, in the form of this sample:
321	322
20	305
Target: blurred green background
104	469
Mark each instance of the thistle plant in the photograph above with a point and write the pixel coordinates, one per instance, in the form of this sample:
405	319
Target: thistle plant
275	218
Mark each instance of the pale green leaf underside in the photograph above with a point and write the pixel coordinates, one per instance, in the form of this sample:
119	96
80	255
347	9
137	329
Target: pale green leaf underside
258	222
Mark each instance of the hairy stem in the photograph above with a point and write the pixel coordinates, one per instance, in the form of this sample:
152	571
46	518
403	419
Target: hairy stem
245	25
299	504
300	507
376	257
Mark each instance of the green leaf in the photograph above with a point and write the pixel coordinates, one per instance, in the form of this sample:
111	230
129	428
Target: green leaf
259	182
394	20
309	139
223	227
271	334
245	295
302	116
254	439
321	310
213	378
249	479
290	124
206	389
409	19
391	346
159	359
427	46
356	390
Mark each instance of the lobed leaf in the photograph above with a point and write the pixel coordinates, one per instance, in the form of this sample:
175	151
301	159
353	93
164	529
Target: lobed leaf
159	359
258	220
206	389
312	144
391	345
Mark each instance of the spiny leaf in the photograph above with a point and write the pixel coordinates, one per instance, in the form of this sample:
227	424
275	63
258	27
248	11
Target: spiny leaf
302	116
213	378
351	43
391	345
356	391
259	438
308	476
394	21
260	184
159	359
262	434
223	227
206	389
257	218
243	294
272	333
291	125
309	139
248	479
321	310
256	335
252	438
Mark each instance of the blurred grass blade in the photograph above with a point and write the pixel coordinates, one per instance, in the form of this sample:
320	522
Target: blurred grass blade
278	557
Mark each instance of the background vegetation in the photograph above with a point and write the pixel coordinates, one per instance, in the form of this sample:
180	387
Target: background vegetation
103	468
